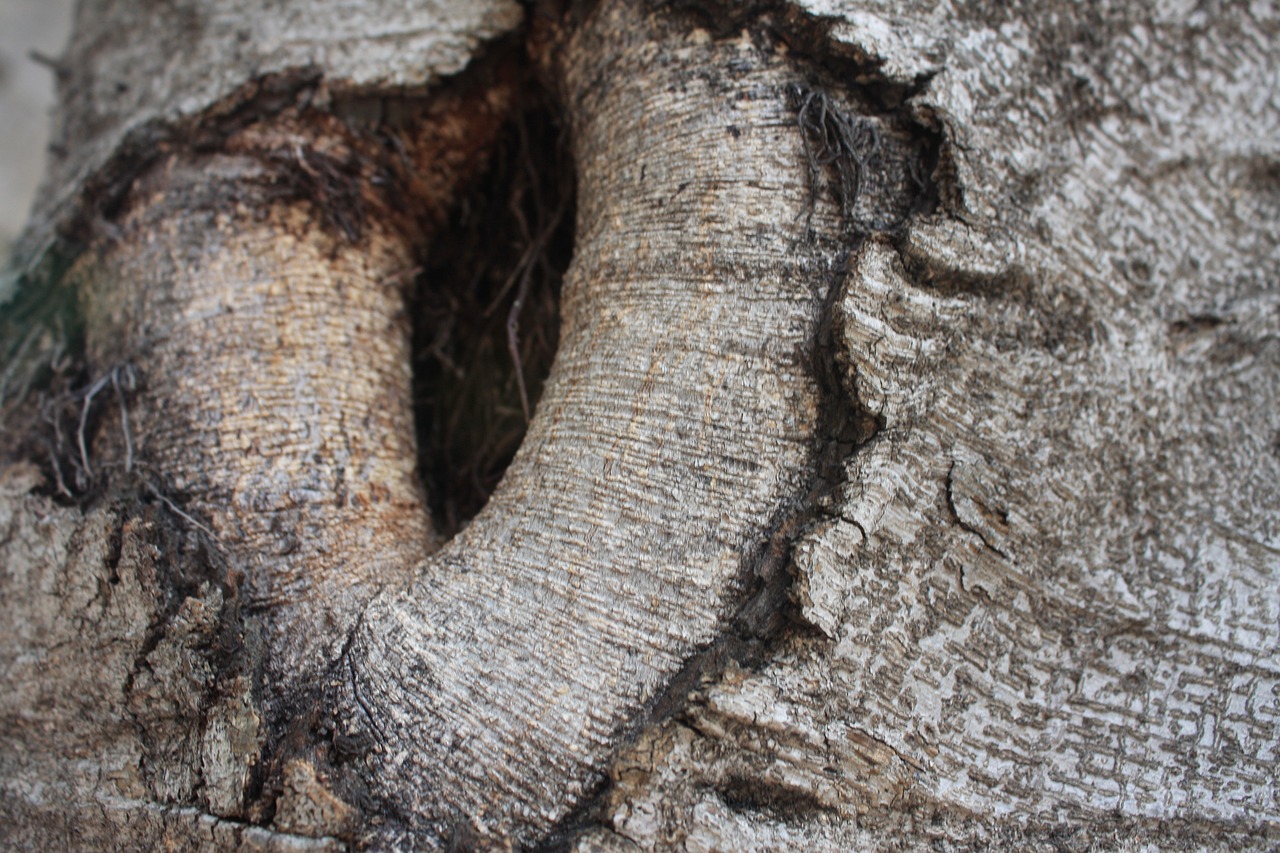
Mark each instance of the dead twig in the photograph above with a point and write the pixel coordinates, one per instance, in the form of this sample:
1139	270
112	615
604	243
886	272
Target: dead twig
57	473
131	383
847	143
534	252
118	376
176	510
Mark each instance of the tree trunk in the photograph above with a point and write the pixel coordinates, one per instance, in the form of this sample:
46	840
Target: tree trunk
905	476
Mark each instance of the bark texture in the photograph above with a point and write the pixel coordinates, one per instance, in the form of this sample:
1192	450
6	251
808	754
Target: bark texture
905	478
123	98
261	295
680	431
1046	596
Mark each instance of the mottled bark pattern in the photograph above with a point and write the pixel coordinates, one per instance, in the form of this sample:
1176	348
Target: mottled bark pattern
1048	593
1033	605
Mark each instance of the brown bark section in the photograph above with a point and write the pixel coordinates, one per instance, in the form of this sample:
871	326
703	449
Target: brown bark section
259	294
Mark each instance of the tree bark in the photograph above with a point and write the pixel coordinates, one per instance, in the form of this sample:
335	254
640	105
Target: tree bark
905	475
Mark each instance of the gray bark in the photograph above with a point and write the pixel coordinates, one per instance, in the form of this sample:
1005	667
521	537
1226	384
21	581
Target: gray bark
906	476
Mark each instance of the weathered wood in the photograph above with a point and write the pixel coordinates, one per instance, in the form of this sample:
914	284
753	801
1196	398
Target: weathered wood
1008	430
679	430
1047	595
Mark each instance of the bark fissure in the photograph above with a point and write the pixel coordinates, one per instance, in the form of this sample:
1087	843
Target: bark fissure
844	145
903	463
486	312
965	525
746	606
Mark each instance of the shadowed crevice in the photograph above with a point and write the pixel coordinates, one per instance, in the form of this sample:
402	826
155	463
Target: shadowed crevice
486	313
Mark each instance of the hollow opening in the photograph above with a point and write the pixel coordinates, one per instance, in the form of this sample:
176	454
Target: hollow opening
486	314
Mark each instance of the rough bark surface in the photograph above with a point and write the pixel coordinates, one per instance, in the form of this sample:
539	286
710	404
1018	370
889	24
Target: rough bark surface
123	100
905	478
260	294
680	428
1047	594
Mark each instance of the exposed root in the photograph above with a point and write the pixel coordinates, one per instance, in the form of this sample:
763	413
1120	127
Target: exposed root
66	423
847	143
176	510
118	376
853	148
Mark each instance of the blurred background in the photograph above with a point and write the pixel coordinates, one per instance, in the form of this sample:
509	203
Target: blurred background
26	98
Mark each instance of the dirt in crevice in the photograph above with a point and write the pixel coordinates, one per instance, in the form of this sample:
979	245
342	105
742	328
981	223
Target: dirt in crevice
486	314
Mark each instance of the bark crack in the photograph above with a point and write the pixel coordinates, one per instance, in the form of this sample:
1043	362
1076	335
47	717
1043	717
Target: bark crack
949	491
